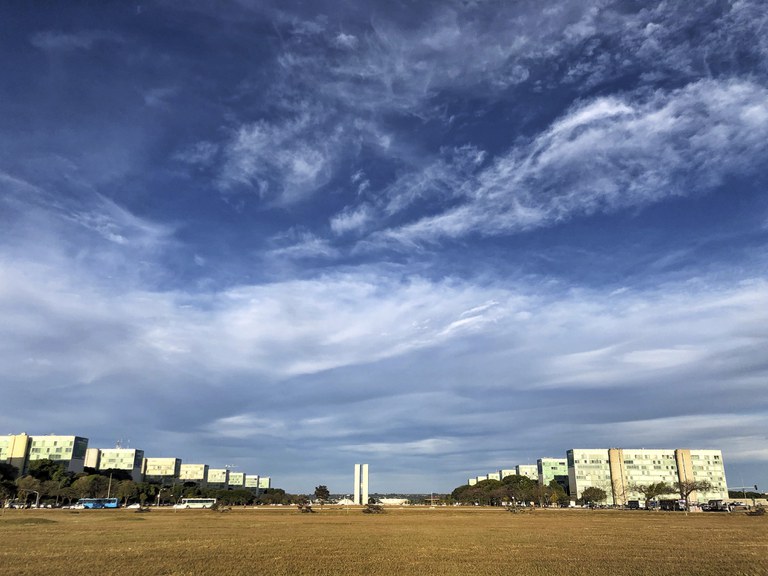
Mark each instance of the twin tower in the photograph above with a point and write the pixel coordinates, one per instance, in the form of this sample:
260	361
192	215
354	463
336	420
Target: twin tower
361	484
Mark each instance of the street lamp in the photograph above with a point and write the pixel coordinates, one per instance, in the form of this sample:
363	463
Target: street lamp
37	500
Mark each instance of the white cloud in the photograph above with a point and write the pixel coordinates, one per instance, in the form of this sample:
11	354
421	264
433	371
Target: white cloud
286	161
62	41
351	220
346	40
608	154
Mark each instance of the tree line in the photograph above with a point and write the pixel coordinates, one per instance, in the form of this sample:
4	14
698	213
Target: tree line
521	489
511	489
56	486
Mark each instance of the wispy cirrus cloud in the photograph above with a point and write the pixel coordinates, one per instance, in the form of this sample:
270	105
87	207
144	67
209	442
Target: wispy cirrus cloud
612	153
64	41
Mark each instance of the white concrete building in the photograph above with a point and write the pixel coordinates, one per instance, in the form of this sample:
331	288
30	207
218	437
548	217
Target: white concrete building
68	450
548	469
92	458
528	470
163	470
218	477
128	459
361	484
617	470
197	473
236	479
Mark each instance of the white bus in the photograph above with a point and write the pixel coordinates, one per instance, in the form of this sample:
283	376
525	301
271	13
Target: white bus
195	503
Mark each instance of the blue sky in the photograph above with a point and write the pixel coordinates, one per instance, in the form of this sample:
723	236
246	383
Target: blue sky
442	238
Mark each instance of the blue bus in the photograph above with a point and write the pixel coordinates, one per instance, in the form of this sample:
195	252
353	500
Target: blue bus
94	503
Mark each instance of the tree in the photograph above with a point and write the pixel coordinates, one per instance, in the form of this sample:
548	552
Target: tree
27	485
47	469
520	488
556	494
593	495
8	472
322	494
652	490
54	488
93	486
126	490
274	496
485	492
687	487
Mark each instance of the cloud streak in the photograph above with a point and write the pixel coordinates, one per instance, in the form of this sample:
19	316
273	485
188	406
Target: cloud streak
611	154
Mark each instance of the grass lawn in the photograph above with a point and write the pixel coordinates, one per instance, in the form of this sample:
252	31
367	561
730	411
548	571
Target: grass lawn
402	541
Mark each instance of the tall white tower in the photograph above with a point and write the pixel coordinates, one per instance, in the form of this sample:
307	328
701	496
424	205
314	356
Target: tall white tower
361	484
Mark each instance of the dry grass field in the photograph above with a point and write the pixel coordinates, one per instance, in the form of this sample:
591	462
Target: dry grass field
401	542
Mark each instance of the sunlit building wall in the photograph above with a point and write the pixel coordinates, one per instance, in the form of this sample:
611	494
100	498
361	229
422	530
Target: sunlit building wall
67	450
218	477
14	450
197	473
617	470
163	470
236	479
527	470
504	473
128	459
548	469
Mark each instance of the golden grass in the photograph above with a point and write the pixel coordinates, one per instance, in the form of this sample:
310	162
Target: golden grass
402	541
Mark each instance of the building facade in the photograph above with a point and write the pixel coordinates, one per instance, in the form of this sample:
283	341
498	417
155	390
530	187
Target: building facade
92	458
218	477
360	487
127	459
252	481
508	472
236	479
14	450
67	450
548	469
527	470
162	470
618	471
197	473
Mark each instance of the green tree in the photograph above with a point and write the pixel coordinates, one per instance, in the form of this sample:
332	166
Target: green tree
27	485
687	487
8	472
54	488
93	486
485	492
651	491
47	469
556	494
8	475
593	495
68	494
520	488
322	494
274	496
126	491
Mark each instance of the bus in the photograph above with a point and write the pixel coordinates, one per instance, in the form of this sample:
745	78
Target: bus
94	503
196	503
